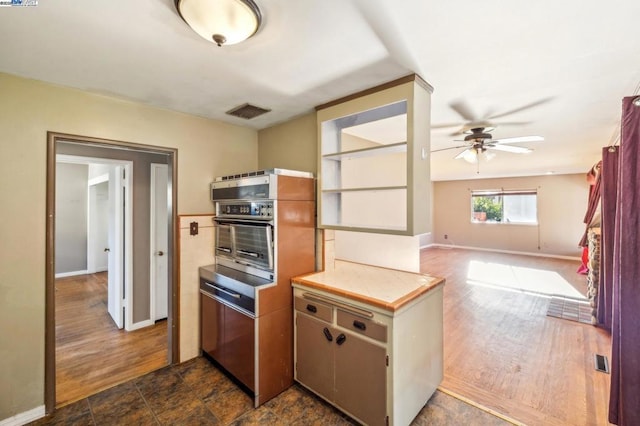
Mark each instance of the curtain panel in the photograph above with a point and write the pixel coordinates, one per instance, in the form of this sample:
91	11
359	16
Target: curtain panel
624	400
609	188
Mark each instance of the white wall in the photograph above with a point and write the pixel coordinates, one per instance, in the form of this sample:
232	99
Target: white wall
562	203
71	218
97	258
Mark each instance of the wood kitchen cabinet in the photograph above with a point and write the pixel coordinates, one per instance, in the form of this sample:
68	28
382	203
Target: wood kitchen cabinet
374	172
373	348
228	337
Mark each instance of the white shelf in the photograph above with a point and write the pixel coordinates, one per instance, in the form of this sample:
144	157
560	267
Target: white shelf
395	148
378	188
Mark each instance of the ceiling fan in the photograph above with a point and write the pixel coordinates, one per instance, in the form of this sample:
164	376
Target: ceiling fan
480	142
486	121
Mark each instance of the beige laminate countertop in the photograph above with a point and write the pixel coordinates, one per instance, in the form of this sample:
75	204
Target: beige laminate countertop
385	288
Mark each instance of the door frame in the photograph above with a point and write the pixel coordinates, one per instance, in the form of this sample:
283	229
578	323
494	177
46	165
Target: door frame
174	300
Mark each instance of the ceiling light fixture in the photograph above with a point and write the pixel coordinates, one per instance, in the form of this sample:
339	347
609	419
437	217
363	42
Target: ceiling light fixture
473	155
221	21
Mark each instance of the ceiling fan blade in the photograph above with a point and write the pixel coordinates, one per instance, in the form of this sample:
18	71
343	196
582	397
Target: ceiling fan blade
453	147
512	123
518	139
463	110
446	125
522	108
461	154
509	148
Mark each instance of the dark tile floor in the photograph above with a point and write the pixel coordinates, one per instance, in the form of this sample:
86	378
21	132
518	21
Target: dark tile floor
197	393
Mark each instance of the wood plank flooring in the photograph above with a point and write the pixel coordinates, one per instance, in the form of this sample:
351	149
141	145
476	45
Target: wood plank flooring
503	352
91	353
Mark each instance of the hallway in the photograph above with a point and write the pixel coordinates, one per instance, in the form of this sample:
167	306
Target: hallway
91	353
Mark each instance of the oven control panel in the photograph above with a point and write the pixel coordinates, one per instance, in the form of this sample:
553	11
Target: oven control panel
245	209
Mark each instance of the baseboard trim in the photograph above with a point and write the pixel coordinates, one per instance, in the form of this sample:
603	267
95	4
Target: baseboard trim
523	253
24	418
71	274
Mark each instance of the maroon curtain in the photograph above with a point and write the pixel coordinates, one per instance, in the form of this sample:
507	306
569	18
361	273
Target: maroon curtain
594	199
609	188
624	399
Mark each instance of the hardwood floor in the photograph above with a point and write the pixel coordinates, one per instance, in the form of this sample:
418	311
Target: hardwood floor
91	353
503	352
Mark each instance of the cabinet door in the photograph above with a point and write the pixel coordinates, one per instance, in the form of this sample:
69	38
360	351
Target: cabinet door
239	344
211	327
315	341
361	378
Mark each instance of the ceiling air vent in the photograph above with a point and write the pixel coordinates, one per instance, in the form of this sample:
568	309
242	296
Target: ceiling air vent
247	111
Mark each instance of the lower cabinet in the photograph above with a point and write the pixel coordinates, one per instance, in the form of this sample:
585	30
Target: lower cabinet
380	366
342	367
228	337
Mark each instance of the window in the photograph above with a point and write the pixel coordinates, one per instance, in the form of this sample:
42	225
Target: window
505	206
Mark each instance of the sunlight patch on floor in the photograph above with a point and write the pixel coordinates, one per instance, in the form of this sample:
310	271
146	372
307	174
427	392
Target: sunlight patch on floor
530	280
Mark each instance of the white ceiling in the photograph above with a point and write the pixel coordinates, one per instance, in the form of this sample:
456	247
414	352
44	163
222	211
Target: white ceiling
573	60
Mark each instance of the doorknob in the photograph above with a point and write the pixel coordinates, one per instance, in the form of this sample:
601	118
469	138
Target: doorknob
160	253
107	249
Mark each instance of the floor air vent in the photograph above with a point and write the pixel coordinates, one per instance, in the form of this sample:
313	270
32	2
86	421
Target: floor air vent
601	363
247	111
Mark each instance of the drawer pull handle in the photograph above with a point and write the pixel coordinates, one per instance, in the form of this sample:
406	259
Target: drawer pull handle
312	308
359	325
327	334
341	339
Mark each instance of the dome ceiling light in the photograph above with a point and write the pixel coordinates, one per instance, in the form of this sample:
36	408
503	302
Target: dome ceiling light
221	21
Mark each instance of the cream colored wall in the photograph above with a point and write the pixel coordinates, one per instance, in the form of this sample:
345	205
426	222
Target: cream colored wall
206	149
562	202
290	145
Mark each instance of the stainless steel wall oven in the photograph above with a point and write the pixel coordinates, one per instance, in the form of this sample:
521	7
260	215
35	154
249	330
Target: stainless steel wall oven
242	294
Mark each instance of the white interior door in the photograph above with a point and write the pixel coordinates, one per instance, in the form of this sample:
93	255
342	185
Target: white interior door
116	246
159	241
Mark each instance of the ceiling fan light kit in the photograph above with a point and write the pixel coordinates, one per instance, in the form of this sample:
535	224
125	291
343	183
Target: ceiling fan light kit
223	22
480	142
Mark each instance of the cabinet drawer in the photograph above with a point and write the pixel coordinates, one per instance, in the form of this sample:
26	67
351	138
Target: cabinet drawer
363	326
315	309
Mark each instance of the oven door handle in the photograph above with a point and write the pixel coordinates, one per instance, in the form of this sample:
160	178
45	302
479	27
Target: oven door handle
248	253
230	293
224	290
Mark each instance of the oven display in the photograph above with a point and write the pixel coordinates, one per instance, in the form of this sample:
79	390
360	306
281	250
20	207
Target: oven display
258	210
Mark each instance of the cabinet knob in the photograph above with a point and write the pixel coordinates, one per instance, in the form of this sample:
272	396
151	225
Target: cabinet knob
359	325
327	334
341	339
312	308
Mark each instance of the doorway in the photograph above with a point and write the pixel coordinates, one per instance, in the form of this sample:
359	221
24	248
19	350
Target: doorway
93	227
139	314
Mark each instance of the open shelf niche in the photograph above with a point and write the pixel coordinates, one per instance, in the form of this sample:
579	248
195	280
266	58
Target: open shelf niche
374	173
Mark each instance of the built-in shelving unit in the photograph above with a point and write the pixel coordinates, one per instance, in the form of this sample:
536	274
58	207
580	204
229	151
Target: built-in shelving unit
374	165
